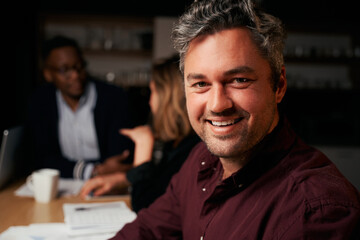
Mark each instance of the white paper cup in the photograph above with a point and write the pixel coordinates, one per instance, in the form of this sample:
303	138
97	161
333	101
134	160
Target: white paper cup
44	183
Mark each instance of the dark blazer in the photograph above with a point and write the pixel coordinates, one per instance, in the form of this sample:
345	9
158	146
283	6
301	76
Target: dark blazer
110	113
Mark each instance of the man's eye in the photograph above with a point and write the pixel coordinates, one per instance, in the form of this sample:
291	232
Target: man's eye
241	80
63	70
200	84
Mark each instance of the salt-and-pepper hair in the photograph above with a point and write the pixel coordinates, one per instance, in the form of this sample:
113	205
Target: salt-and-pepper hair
206	17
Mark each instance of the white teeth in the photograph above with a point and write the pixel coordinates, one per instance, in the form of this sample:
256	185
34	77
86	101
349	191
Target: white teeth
223	123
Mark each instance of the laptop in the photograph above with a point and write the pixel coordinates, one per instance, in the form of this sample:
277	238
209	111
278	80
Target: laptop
10	154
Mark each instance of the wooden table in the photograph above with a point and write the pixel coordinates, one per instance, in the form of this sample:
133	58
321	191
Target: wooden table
17	211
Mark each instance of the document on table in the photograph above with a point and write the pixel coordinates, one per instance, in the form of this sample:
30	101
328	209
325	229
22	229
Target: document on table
67	187
89	221
95	218
46	231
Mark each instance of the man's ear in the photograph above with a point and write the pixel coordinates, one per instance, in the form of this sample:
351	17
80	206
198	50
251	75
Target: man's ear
47	75
282	85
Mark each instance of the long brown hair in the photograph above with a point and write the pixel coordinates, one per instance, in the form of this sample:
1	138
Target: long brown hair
171	120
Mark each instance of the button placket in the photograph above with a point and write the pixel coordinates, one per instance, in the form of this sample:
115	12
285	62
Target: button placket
202	163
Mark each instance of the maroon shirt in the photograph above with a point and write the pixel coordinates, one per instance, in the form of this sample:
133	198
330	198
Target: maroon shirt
287	191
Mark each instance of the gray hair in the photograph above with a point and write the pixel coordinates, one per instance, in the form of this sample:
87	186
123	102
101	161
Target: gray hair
205	17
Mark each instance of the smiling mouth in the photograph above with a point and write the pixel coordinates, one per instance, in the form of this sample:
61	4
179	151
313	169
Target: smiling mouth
224	123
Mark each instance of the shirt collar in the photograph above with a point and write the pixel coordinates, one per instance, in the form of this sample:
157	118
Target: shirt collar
87	99
268	153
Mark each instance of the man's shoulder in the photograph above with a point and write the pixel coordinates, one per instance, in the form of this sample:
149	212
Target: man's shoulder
43	94
304	189
317	178
106	87
109	93
317	195
45	89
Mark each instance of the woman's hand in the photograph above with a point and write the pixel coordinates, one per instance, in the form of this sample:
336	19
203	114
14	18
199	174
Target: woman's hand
143	138
113	164
101	185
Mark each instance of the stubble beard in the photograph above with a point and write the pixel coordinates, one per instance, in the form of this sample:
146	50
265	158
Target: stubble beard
236	146
230	146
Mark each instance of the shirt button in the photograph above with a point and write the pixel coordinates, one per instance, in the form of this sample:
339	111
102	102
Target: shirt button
203	163
240	185
202	237
204	189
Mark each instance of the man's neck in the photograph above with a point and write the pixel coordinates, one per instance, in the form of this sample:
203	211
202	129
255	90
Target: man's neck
72	102
232	165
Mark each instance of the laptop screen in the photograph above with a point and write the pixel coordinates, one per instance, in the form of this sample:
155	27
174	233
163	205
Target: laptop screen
10	154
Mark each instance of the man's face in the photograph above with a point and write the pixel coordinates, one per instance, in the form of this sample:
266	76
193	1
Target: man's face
230	101
65	69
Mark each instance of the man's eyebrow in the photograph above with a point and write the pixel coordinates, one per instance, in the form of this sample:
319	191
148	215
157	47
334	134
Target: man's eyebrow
236	70
192	76
240	69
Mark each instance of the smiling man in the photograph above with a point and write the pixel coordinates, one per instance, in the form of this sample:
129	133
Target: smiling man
230	97
252	177
73	119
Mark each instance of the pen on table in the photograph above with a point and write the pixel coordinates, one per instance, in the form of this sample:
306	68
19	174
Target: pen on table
97	206
81	208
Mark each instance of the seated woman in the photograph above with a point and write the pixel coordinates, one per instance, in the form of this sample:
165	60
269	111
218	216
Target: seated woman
161	149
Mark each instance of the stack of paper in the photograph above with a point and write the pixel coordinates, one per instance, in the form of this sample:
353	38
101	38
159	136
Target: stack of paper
96	218
46	231
43	231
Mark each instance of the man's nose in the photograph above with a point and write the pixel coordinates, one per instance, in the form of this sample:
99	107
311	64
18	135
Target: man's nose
74	73
219	100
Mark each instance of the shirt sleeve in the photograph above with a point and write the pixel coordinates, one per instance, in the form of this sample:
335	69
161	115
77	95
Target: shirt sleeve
326	219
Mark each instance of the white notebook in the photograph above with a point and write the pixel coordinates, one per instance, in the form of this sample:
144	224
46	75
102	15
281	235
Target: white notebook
96	218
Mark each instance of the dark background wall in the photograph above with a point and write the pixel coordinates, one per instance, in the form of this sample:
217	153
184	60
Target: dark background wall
321	15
